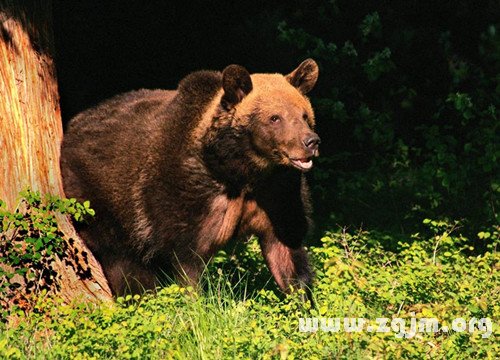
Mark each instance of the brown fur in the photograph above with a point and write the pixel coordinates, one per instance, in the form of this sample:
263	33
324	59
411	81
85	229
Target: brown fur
174	175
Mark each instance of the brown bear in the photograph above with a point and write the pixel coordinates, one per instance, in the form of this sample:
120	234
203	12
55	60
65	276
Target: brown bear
174	175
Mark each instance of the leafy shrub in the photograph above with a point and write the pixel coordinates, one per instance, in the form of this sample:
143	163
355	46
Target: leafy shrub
407	109
29	240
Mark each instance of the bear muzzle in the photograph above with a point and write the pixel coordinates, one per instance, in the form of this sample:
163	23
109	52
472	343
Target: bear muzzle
311	144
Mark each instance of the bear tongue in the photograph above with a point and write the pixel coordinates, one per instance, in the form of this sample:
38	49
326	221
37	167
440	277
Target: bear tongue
306	164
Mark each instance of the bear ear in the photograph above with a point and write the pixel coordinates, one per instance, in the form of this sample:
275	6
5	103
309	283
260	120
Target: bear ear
305	76
236	83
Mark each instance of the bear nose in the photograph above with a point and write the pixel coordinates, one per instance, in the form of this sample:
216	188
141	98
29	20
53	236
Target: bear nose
312	141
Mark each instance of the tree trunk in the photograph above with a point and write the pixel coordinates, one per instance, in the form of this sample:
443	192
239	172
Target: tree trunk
31	130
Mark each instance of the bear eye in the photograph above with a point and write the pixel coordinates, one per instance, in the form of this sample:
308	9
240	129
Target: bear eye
275	118
305	117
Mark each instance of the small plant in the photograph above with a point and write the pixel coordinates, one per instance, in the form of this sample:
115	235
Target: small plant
29	240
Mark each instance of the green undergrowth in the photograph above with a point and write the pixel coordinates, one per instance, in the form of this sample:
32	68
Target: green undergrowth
239	314
30	240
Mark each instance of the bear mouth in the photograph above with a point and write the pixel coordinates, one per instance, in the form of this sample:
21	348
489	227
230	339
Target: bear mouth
304	164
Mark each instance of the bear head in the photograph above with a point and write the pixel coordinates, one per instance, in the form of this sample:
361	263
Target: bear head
276	113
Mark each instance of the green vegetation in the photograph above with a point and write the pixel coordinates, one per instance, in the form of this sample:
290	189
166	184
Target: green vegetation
407	107
240	315
28	239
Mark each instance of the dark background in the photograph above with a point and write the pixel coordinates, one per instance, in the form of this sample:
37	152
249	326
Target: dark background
104	48
407	99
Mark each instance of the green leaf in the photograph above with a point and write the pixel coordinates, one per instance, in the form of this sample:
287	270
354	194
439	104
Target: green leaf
38	244
484	235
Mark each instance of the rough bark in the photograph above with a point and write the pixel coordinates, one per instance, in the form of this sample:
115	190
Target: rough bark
31	129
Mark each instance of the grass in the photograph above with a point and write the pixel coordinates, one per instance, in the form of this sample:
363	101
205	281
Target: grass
241	315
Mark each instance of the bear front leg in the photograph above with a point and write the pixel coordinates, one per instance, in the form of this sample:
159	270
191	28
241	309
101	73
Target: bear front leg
289	266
